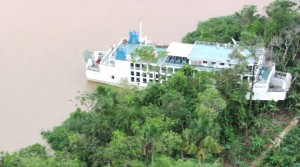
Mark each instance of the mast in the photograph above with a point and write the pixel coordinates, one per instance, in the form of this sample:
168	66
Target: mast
141	28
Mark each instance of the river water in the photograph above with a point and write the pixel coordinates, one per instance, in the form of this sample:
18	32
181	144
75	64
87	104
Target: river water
41	45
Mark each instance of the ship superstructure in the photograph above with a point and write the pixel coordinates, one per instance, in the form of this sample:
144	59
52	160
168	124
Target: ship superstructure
116	66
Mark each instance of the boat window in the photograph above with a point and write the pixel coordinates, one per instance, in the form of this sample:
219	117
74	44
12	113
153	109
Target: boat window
178	60
185	61
168	58
150	75
170	70
163	69
150	67
144	67
131	66
249	68
137	66
153	68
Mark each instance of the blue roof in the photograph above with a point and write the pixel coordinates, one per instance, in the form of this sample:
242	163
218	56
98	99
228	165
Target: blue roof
129	48
210	53
215	53
199	52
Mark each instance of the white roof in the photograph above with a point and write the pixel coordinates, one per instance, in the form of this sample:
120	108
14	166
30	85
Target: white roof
179	49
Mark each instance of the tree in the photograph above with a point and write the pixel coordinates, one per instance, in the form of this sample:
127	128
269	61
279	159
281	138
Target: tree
283	14
150	130
201	138
193	118
223	29
35	155
286	45
148	55
247	14
122	149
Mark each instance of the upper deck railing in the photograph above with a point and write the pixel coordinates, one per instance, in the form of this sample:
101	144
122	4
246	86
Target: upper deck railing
109	55
226	45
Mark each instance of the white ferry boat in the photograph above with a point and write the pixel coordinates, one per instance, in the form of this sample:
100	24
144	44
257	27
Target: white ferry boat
115	66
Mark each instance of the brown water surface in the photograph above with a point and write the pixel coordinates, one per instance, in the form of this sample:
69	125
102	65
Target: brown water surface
41	45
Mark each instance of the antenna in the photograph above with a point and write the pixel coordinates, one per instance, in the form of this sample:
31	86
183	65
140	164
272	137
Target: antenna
141	28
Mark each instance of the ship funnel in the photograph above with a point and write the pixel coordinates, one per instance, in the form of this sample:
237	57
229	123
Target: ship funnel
133	38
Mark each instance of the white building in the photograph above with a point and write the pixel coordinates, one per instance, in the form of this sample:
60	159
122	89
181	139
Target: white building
115	65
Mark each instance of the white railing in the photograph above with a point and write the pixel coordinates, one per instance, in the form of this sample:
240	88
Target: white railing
226	45
276	90
109	55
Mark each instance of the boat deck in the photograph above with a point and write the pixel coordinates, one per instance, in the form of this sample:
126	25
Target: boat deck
198	51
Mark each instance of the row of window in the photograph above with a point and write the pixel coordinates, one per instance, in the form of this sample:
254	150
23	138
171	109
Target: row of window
138	79
143	74
193	62
177	60
143	80
248	78
214	63
146	67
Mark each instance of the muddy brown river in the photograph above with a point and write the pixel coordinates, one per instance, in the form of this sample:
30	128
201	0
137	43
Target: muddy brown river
41	45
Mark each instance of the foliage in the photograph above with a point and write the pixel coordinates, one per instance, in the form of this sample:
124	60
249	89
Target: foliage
147	54
278	32
36	156
185	117
288	153
220	29
223	29
191	119
157	125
